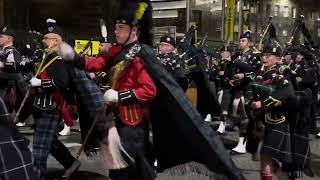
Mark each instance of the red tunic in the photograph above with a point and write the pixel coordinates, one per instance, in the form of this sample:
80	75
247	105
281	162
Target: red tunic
135	78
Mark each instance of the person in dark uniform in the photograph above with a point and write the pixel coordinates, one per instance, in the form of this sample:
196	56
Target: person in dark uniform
226	70
304	78
276	147
51	90
10	60
245	65
171	60
16	158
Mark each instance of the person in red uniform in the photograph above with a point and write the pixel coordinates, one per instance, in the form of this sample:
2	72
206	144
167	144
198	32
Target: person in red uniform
141	89
131	89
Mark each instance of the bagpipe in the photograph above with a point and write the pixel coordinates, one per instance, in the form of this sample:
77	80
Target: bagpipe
307	49
196	69
192	52
257	91
269	28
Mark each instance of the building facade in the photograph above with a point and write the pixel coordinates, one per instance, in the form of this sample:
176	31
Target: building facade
81	18
1	12
253	15
170	18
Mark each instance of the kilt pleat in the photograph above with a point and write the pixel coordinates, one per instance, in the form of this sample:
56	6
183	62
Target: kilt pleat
276	142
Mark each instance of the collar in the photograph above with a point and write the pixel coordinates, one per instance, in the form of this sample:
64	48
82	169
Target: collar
247	51
130	44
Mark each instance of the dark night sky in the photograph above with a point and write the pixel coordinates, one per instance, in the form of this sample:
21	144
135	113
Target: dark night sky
78	17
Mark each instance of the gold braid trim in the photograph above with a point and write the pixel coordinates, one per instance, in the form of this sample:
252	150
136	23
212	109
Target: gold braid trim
272	101
275	121
116	72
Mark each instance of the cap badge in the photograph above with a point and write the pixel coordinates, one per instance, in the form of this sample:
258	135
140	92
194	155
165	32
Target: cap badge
50	29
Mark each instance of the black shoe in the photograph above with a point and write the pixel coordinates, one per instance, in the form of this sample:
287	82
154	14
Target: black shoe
235	153
74	167
222	134
308	172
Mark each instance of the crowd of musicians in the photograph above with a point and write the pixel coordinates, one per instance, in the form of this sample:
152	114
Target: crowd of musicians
269	91
270	94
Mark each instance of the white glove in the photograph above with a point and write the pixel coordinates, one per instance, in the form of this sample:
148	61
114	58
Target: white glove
66	51
35	82
110	96
298	79
1	64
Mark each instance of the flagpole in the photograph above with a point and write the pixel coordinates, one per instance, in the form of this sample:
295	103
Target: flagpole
223	14
187	14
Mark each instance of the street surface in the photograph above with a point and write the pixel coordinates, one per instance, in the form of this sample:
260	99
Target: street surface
92	168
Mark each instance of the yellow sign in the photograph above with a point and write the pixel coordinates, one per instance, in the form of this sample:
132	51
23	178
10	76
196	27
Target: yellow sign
229	27
92	51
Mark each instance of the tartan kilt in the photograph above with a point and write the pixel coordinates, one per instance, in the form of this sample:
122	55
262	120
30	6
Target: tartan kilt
301	149
15	156
16	159
276	142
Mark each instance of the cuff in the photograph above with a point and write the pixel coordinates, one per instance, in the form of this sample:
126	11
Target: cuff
9	66
47	83
127	97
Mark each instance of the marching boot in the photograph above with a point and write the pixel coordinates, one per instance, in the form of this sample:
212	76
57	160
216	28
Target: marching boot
65	131
241	147
266	175
208	118
222	127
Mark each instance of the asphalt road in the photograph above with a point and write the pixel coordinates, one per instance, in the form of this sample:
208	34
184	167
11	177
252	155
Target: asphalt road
92	168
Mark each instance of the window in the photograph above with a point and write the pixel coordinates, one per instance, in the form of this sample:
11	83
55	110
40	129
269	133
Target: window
294	12
218	25
268	13
252	10
286	11
276	10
